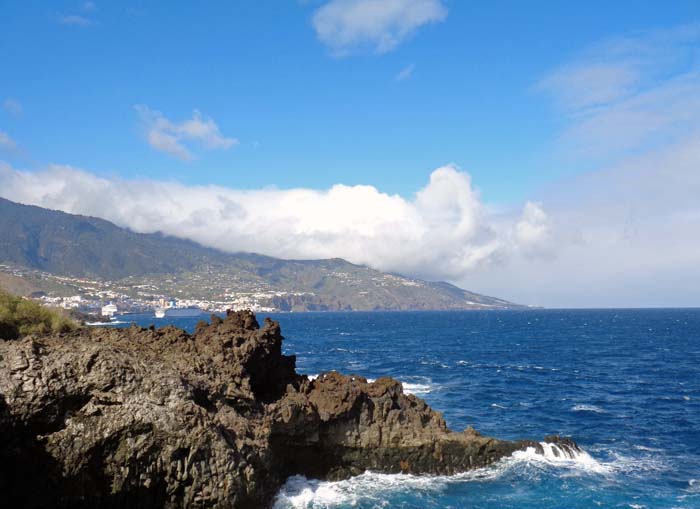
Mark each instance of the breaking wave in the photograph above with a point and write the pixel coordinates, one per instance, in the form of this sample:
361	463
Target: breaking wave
417	389
554	455
587	408
302	493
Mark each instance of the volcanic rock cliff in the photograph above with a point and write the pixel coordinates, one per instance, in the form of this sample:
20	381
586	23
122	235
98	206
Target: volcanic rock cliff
161	418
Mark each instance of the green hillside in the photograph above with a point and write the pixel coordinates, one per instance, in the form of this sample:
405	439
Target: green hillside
78	246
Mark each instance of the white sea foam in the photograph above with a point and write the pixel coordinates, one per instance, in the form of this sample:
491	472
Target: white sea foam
587	408
408	387
302	493
647	449
638	466
556	456
373	488
429	362
500	367
416	389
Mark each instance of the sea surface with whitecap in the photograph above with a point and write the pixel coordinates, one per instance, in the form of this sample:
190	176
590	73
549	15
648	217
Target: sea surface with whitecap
625	384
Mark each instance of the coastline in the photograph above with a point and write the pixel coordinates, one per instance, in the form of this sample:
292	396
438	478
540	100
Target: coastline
285	416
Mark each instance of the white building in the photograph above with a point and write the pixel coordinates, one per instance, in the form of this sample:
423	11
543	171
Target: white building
109	310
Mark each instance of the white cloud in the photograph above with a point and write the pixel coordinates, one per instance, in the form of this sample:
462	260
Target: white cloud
621	67
170	137
75	20
7	143
628	233
346	26
445	231
591	84
13	107
533	227
626	93
405	73
89	6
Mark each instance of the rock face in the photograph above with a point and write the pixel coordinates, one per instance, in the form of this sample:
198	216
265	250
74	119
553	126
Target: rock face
161	418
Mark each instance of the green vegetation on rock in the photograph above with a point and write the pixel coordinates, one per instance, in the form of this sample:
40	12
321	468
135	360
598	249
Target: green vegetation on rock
20	317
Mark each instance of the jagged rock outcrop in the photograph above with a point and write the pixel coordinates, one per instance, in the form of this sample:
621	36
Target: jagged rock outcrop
161	418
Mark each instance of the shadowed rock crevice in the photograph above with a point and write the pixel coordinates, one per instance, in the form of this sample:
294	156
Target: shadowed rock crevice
219	418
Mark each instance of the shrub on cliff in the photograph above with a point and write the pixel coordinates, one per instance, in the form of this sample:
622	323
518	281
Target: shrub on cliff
19	317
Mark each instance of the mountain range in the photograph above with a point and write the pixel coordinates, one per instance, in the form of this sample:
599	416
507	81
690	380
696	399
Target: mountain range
45	241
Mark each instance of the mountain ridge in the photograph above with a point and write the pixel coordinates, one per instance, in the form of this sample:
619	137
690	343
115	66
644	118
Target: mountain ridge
77	246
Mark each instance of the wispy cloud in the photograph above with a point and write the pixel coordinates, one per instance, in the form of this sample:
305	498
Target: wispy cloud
89	6
7	143
75	20
171	137
346	26
625	233
13	107
405	73
626	93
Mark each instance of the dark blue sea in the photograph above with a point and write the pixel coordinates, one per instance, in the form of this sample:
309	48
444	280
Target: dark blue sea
625	384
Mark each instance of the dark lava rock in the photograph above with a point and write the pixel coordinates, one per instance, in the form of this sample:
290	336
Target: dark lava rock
161	418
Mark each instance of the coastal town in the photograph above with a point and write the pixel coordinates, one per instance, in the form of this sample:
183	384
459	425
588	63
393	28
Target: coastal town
109	298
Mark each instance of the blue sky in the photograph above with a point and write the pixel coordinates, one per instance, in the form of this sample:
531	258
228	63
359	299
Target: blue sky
303	116
545	152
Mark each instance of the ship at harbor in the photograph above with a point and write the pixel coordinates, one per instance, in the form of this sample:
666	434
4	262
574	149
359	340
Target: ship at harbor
183	312
171	310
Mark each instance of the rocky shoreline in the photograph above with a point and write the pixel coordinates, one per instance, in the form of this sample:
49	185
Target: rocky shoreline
219	418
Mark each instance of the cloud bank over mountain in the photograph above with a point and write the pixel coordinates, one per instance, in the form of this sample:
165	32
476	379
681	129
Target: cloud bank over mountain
445	231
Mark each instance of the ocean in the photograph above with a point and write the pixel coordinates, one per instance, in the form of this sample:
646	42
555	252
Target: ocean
625	384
